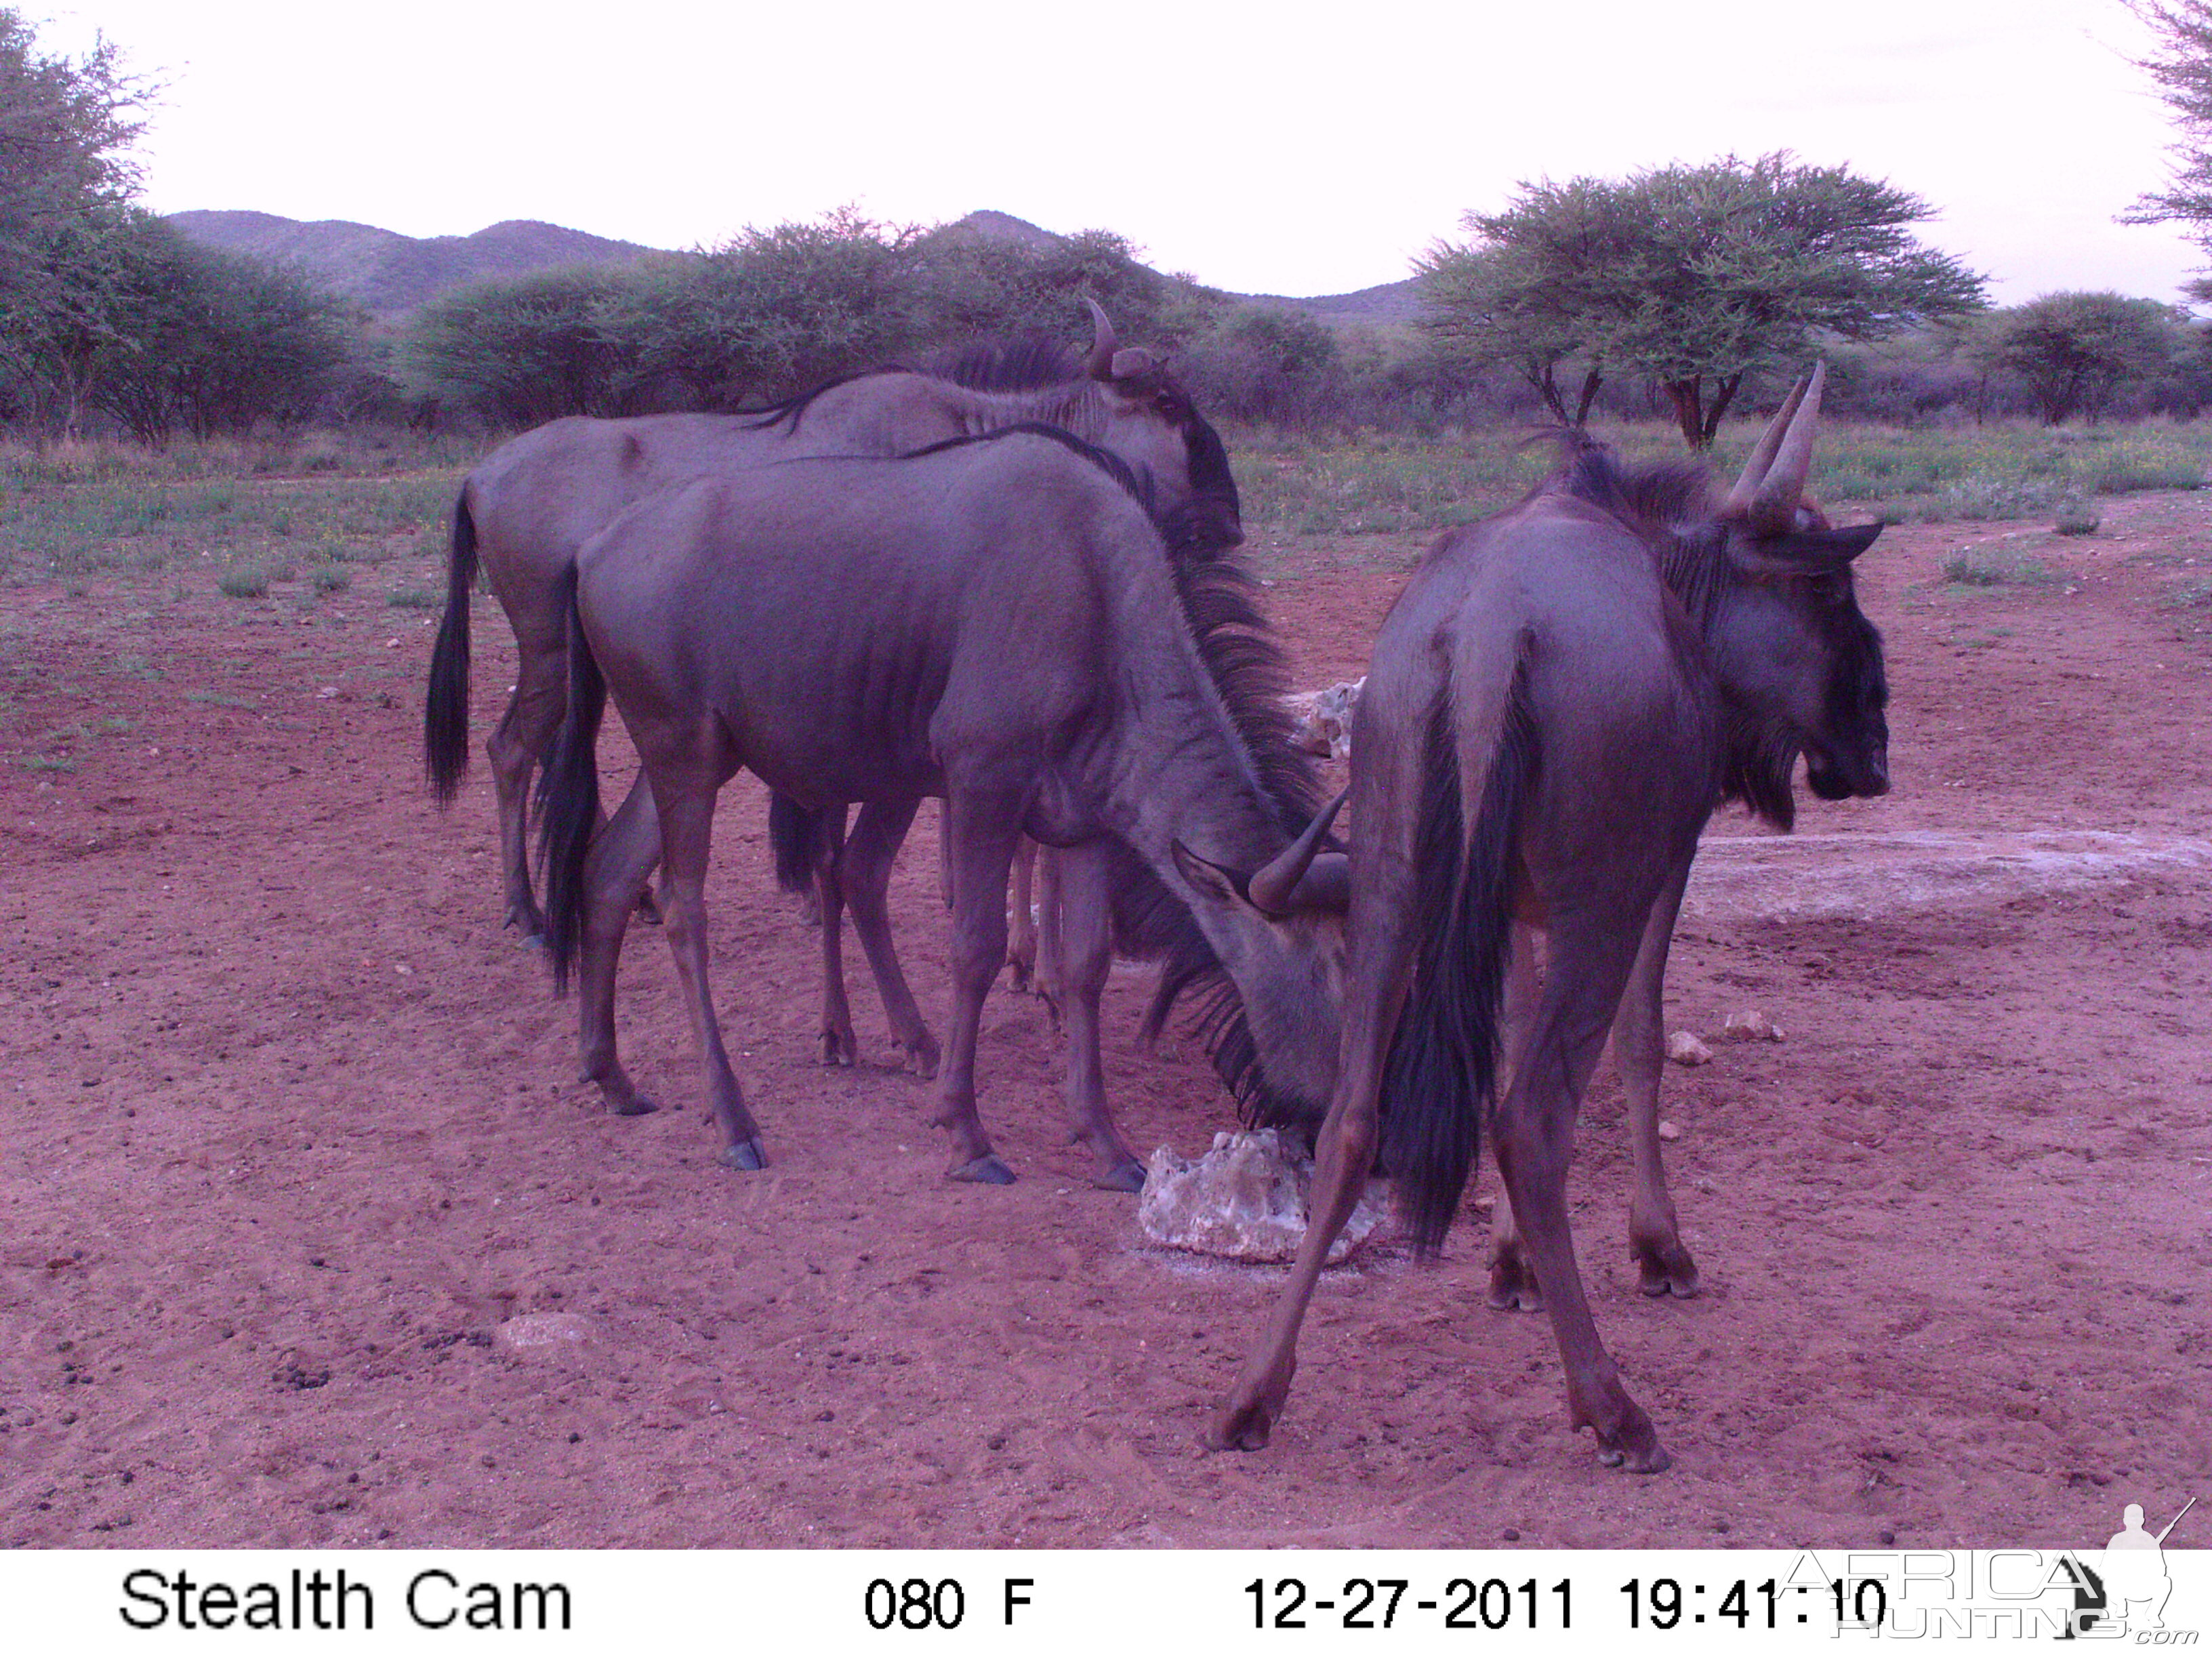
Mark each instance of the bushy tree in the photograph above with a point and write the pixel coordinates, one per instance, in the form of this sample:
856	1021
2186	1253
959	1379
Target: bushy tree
2076	351
528	349
1693	276
212	342
66	176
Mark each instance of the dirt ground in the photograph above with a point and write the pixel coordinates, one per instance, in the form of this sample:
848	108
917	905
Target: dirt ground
293	1127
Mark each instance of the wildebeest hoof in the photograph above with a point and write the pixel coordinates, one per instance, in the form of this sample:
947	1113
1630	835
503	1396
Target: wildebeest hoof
1652	1460
922	1055
1667	1273
989	1169
1512	1285
840	1047
634	1106
1126	1176
1017	972
534	940
745	1155
1239	1428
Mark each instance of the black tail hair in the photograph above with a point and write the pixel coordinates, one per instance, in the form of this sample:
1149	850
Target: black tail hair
446	708
569	800
792	834
1441	1080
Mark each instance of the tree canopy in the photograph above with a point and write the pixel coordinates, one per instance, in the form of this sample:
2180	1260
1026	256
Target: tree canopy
2182	69
1693	276
2076	351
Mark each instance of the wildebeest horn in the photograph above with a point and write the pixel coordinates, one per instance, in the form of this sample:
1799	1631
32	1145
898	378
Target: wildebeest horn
1099	365
1275	886
1756	466
1783	486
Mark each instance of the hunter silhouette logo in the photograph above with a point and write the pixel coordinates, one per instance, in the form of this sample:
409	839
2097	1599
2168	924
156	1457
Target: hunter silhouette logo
2135	1570
2127	1591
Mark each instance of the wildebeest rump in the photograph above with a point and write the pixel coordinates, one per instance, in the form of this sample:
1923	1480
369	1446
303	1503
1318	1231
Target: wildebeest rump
527	509
996	624
1557	702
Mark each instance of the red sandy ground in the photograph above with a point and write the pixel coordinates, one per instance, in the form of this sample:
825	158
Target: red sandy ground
292	1127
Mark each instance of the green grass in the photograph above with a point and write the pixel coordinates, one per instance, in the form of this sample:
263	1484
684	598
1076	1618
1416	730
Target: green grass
1990	566
412	598
245	583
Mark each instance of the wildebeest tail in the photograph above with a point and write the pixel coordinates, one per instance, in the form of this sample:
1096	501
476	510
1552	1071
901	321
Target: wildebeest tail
792	832
1441	1079
446	708
569	800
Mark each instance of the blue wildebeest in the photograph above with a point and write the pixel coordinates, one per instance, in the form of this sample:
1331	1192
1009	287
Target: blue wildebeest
996	622
528	507
1557	702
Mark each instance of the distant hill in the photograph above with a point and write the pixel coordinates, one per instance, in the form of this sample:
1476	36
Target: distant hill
390	273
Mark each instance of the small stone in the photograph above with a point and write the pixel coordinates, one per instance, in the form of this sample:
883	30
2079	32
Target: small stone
544	1333
1751	1026
1685	1049
1669	1131
1511	1535
1247	1199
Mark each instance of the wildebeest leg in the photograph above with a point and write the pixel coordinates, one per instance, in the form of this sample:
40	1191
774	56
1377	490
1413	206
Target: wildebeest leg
1512	1284
1533	1127
1639	1048
616	868
1051	983
1021	934
1381	930
839	1046
687	824
878	834
515	747
980	828
1083	945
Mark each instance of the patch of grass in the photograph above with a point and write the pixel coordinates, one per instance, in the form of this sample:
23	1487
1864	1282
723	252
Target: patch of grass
331	579
1992	567
2187	596
2140	465
48	763
244	583
412	598
1982	496
218	700
2076	517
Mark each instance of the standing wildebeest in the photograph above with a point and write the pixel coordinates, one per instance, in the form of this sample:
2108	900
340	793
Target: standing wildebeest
1558	700
528	507
995	621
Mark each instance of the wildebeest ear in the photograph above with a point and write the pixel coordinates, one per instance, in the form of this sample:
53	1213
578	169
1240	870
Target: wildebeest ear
1801	552
1206	877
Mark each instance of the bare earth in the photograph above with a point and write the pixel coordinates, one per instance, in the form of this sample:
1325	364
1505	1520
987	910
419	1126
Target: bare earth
293	1127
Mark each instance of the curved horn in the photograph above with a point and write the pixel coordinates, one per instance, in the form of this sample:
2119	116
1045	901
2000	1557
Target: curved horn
1099	365
1761	460
1272	886
1783	486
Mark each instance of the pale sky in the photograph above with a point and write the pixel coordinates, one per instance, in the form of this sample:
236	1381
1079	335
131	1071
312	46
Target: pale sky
1264	149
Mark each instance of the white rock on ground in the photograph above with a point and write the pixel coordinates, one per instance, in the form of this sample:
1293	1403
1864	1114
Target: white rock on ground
544	1334
1245	1200
1751	1026
1684	1049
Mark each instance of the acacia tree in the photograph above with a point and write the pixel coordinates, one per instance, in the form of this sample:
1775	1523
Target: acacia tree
1694	276
2076	351
2182	69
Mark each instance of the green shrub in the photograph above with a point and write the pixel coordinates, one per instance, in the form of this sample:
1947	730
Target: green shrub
412	598
332	578
2076	517
244	583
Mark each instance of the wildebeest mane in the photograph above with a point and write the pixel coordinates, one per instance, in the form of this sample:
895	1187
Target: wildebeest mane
1250	672
1032	363
1104	460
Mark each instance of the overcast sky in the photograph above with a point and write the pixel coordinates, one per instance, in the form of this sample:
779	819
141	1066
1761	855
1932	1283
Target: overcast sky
1262	150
